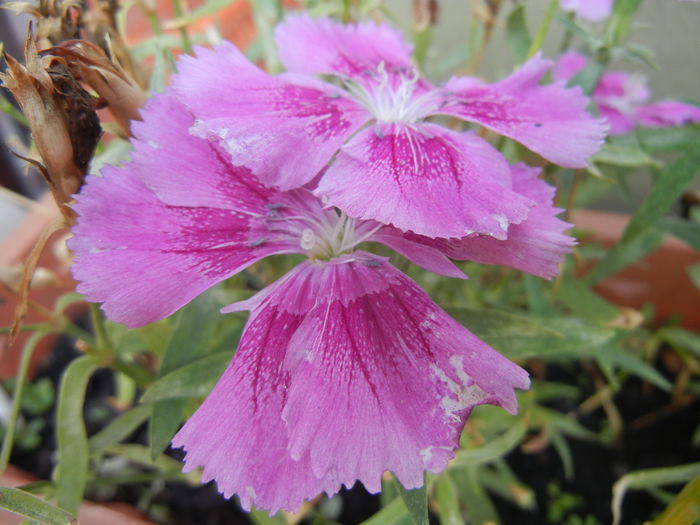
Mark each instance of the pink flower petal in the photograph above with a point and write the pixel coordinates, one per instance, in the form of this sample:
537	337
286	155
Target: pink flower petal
593	10
537	245
186	171
421	253
324	46
426	179
668	113
568	65
549	119
238	435
285	129
346	369
141	248
400	374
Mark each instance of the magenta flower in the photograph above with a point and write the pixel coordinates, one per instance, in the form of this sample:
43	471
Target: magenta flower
622	98
346	368
370	145
593	10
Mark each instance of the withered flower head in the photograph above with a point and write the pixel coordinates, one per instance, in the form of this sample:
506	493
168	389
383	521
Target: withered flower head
56	20
122	96
62	119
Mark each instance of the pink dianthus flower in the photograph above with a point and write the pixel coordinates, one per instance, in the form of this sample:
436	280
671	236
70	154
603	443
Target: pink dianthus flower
346	368
622	98
593	10
365	128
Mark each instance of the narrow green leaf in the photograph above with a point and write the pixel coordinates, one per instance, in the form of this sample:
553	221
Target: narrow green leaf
542	31
623	254
634	365
477	503
517	34
681	339
620	21
665	190
166	417
645	479
260	517
564	451
588	77
447	500
20	381
194	329
416	501
685	508
494	449
66	300
395	513
520	337
687	231
73	453
33	508
584	302
625	155
693	272
193	380
119	429
141	454
662	140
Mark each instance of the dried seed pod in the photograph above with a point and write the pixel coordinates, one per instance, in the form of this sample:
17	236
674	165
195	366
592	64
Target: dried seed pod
122	96
62	119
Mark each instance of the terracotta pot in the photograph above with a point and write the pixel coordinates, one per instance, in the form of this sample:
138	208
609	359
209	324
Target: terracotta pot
659	278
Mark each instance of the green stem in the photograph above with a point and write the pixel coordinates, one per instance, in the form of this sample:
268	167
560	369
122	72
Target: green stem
72	329
98	322
141	376
153	21
568	34
186	41
11	427
27	328
544	28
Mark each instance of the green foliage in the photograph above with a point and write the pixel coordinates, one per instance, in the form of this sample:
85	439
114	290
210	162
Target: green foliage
73	452
31	507
416	501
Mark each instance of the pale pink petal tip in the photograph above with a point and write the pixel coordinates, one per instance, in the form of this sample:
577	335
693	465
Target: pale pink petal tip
341	49
345	370
549	119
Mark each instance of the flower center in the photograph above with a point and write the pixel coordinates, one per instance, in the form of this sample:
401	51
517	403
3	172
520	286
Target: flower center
322	234
394	97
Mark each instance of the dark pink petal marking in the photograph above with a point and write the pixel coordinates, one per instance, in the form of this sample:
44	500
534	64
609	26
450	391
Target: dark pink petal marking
284	129
403	374
426	179
238	435
549	119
